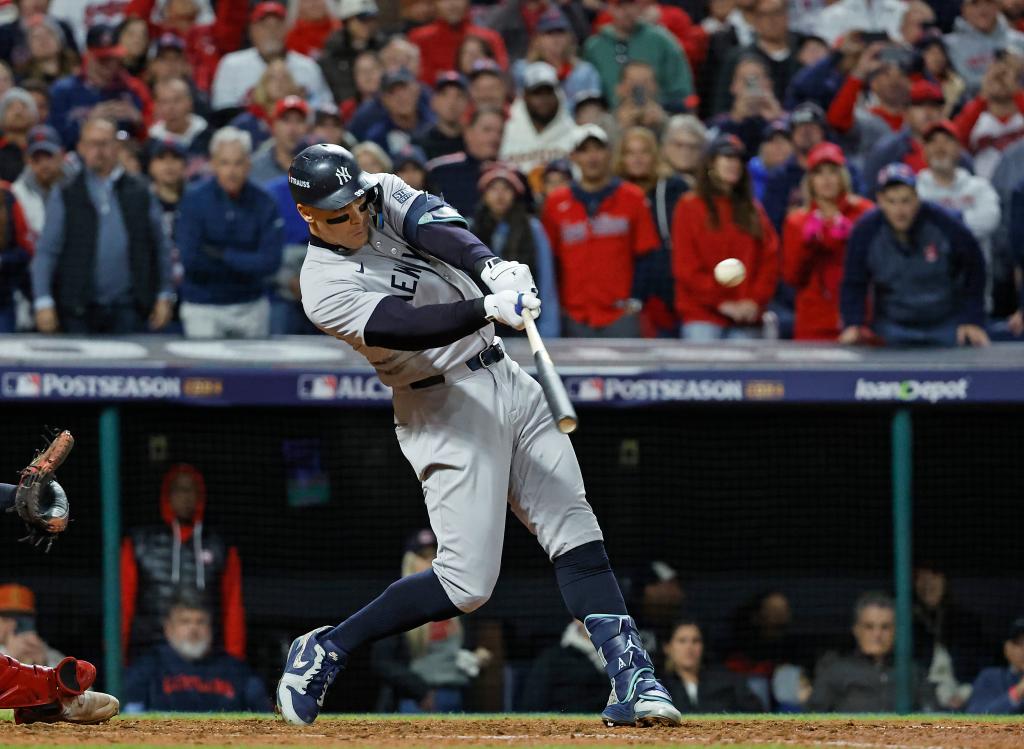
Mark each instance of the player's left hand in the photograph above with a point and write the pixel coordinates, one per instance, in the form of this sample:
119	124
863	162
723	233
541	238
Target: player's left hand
508	275
40	501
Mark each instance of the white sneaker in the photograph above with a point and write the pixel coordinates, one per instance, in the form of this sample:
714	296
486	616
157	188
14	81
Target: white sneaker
90	707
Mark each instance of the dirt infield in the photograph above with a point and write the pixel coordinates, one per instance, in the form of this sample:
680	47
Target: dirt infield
525	731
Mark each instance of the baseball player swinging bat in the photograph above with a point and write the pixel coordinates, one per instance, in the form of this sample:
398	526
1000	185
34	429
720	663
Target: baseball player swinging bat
394	273
554	390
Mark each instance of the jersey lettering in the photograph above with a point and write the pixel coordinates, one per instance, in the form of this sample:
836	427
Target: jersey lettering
402	285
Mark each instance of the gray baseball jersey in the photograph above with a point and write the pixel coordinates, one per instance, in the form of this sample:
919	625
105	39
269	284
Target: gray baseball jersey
478	440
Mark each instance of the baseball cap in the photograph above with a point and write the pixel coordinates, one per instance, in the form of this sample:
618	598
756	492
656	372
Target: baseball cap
485	66
562	166
778	126
291	104
896	174
807	113
264	9
552	20
500	171
449	78
583	133
17	599
539	75
825	153
158	147
421	539
326	111
926	92
169	40
727	144
395	77
942	126
408	154
1016	628
43	138
588	95
351	8
101	41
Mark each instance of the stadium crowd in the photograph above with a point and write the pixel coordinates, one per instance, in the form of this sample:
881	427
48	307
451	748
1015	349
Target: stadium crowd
864	159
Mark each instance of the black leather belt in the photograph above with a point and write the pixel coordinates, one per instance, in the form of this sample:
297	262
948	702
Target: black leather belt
490	355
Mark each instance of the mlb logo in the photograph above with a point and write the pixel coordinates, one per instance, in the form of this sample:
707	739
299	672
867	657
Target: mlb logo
931	253
23	384
318	387
590	389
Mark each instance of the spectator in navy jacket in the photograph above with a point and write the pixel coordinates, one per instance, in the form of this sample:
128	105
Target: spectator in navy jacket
102	264
999	690
922	266
184	674
230	236
103	89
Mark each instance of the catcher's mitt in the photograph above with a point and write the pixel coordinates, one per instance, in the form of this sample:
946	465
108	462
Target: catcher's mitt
39	499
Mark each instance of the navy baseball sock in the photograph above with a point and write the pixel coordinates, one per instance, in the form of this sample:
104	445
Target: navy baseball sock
406	604
6	496
587	582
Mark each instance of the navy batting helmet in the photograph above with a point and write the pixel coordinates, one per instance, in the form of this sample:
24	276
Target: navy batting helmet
326	176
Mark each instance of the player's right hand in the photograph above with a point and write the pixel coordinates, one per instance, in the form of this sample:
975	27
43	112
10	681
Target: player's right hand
507	307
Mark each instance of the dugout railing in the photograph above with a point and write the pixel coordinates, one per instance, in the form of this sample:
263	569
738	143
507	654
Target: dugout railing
820	471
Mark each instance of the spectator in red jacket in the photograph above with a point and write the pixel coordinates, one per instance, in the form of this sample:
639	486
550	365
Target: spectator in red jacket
721	219
312	22
599	227
179	555
205	44
814	242
438	41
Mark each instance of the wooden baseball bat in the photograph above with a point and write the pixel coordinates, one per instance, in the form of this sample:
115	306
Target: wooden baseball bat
554	390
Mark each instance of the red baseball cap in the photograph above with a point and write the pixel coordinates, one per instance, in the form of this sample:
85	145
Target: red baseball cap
262	10
825	153
942	126
926	92
291	104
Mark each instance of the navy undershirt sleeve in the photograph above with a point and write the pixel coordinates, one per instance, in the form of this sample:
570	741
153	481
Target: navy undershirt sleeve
398	325
449	241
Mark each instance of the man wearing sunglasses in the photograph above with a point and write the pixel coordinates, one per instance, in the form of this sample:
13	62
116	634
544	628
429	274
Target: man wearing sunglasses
394	273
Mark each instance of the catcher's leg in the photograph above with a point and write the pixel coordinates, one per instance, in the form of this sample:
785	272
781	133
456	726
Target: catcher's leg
28	686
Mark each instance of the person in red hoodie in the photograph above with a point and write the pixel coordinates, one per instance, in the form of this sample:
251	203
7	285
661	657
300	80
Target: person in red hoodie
313	22
814	242
205	44
721	219
159	562
439	41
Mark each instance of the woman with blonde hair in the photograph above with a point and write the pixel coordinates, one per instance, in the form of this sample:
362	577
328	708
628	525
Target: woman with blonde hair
639	160
275	84
425	669
814	239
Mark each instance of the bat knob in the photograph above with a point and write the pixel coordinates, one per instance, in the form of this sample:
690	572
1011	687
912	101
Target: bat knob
567	425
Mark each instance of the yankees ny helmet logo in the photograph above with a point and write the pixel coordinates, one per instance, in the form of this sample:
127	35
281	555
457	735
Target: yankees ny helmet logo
343	175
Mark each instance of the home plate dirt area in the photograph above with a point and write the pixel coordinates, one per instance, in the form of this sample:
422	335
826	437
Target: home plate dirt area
803	732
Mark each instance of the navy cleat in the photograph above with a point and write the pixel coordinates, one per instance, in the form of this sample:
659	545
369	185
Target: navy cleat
309	670
637	698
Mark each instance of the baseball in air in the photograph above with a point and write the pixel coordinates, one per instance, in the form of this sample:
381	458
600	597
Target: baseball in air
730	272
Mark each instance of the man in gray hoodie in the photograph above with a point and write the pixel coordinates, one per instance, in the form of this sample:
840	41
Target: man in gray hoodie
979	32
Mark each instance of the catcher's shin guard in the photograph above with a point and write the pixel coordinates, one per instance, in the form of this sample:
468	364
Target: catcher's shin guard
637	698
31	686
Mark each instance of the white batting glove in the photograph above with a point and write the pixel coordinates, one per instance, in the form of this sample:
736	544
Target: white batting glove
501	275
507	307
